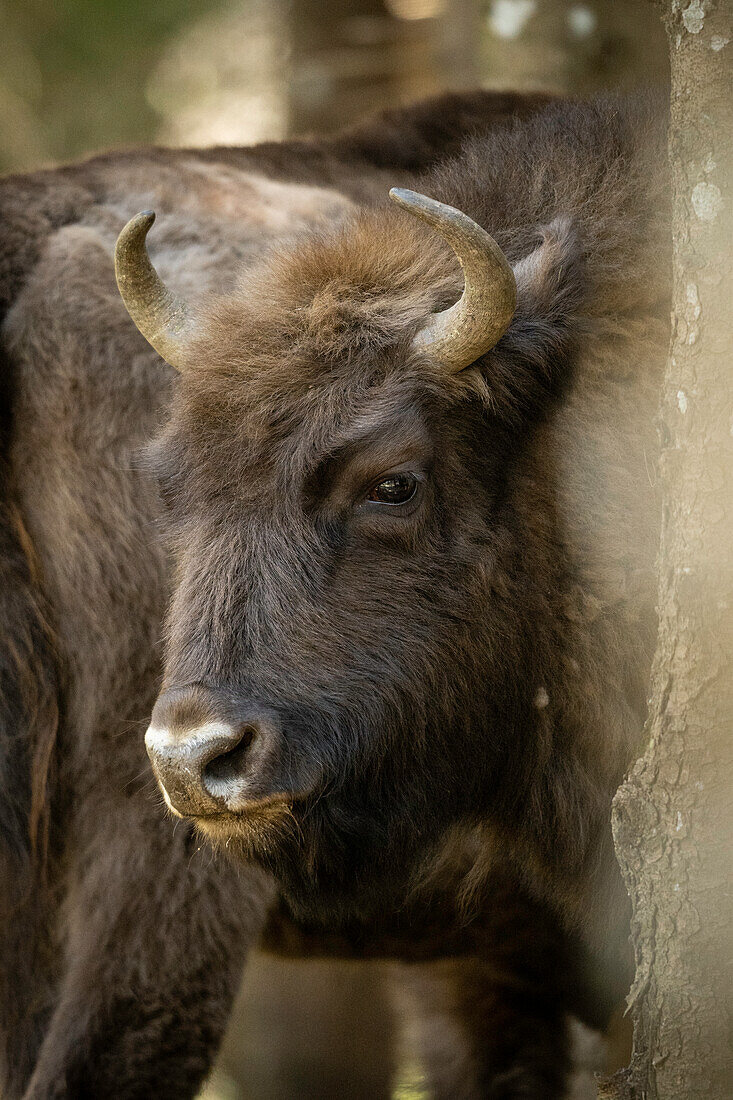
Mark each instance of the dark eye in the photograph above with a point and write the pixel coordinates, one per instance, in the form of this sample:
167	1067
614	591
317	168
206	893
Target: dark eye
395	489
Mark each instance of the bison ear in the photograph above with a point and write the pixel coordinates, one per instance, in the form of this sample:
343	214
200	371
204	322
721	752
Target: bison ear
534	358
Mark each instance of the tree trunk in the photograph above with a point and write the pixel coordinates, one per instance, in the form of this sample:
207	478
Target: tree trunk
672	818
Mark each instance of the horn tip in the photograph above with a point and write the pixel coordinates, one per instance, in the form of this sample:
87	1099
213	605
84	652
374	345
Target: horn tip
143	221
416	203
138	224
401	195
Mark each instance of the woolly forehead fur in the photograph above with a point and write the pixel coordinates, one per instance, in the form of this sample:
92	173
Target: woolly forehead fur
322	328
315	343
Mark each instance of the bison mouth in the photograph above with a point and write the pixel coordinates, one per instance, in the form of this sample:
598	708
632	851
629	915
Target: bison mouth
266	823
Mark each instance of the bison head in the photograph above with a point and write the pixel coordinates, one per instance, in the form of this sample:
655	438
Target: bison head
355	640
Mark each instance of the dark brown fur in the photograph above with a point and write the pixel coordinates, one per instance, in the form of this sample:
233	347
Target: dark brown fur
122	940
305	373
466	682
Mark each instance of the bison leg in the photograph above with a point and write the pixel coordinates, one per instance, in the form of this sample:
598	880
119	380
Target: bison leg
156	935
478	1035
497	1025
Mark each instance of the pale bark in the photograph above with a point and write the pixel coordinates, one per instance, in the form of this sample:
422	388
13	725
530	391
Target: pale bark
672	819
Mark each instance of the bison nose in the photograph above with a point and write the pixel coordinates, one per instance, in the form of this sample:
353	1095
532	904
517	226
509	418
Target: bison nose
209	756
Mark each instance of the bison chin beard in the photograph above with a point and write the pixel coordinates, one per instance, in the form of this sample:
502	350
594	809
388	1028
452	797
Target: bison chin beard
252	836
333	870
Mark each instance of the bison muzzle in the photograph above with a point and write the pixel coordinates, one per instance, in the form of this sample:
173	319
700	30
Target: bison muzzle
214	754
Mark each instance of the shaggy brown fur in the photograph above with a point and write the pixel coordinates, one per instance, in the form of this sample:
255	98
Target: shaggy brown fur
473	666
122	940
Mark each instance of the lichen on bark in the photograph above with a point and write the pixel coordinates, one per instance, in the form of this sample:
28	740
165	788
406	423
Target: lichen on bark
673	816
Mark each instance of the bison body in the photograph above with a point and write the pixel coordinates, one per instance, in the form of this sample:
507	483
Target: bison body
439	702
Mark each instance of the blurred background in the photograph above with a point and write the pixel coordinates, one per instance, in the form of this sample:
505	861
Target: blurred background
80	76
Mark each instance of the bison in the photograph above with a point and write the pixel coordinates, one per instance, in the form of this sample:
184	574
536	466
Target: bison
412	529
121	940
407	480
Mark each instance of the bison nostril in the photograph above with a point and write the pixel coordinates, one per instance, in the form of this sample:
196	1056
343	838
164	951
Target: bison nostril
229	765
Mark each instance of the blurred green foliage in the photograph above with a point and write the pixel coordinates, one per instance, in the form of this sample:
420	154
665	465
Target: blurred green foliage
73	73
77	76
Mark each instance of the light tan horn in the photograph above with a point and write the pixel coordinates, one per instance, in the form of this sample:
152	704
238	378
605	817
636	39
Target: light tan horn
164	319
458	336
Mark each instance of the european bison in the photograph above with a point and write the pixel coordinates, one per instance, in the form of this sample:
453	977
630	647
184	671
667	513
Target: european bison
121	942
414	525
412	599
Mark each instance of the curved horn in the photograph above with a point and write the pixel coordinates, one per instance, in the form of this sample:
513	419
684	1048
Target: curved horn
163	319
458	336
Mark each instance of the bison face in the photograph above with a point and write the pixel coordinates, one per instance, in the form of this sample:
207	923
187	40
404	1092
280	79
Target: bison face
354	641
341	650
